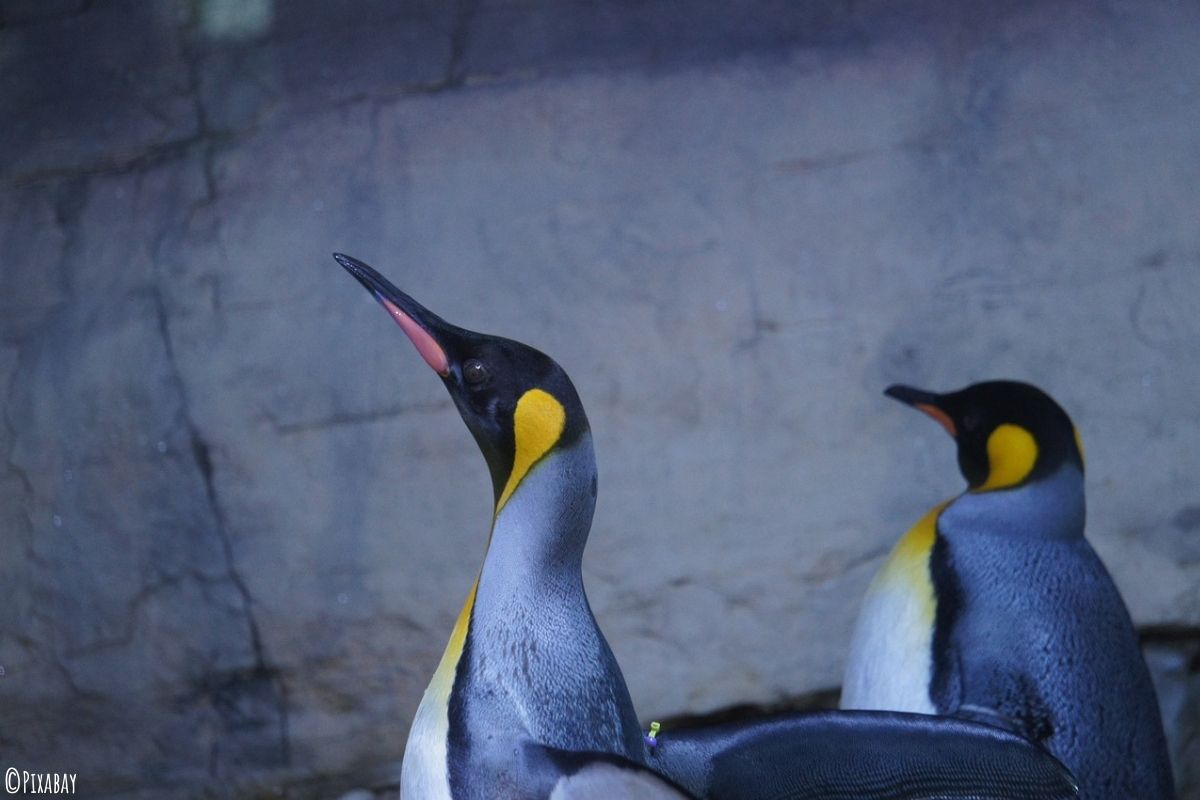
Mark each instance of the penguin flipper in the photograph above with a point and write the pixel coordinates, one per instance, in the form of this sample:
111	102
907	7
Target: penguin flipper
860	754
597	776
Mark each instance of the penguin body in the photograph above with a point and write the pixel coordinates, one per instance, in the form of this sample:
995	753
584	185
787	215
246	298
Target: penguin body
1036	632
528	700
1022	625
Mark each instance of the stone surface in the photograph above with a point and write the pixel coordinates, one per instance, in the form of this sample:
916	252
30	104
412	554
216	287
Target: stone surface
1175	664
240	516
103	88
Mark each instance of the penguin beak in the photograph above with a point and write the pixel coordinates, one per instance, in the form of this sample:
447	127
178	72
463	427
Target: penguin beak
419	324
926	402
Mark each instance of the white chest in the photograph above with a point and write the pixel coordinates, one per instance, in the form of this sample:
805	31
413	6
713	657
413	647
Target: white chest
891	660
890	665
424	774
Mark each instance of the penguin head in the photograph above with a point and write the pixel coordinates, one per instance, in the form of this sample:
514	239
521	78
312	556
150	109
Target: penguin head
1008	433
517	402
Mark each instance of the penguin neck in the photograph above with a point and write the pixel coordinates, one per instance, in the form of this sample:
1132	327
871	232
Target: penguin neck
1049	508
534	560
532	634
540	532
536	544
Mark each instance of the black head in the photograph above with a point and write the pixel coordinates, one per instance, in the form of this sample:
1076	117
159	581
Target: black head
516	401
1008	433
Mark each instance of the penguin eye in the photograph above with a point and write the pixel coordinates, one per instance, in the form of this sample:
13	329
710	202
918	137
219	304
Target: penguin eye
971	421
474	372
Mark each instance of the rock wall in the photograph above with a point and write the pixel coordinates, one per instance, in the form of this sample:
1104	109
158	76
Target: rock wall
238	515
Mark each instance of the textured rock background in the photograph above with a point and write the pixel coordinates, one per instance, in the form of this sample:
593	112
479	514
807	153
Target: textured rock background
238	515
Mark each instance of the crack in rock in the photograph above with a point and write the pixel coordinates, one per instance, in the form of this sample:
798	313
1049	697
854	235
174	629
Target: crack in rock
262	672
351	418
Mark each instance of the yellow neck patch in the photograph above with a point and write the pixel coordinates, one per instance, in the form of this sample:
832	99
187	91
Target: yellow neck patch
537	424
1012	452
1079	445
443	679
908	565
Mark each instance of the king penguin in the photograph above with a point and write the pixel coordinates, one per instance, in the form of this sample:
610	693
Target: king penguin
528	700
994	606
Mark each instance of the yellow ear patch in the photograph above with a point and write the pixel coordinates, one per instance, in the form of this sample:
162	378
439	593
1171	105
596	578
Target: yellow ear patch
1079	445
537	424
1012	452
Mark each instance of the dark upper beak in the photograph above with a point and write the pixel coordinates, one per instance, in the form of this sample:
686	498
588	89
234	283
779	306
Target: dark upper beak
427	331
928	402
